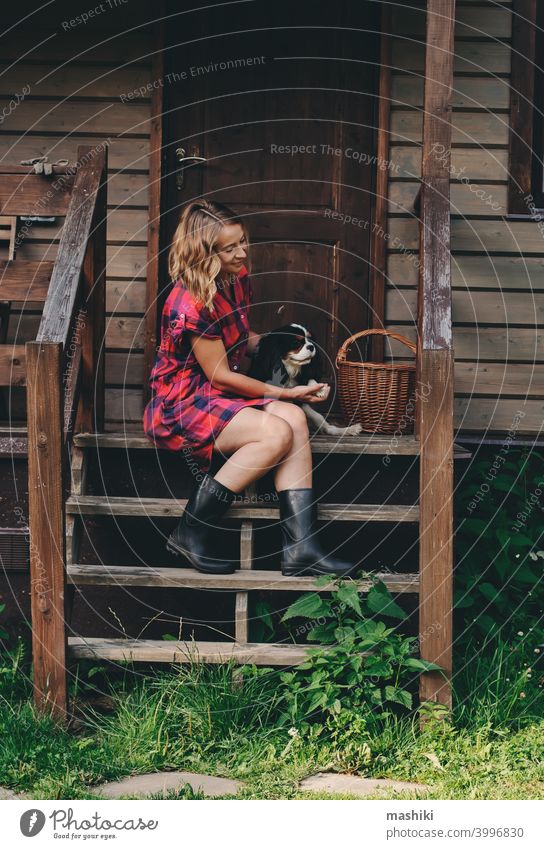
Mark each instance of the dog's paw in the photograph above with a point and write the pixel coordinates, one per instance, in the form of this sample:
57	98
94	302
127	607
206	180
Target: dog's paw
353	430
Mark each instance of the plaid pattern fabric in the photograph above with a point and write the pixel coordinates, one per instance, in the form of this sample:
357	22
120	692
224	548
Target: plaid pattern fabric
185	412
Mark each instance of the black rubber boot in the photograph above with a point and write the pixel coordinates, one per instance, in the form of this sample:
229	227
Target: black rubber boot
196	537
302	554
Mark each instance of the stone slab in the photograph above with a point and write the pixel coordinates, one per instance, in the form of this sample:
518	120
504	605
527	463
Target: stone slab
356	785
9	794
161	782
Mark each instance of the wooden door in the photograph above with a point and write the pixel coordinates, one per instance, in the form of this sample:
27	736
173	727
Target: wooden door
280	99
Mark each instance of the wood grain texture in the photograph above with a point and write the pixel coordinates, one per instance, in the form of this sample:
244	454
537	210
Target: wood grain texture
154	214
129	153
474	307
467	163
95	505
247	544
92	407
25	281
262	654
362	444
494	236
489	343
12	365
241	622
436	526
47	526
435	359
483	20
34	194
239	581
434	299
476	57
65	117
74	524
59	307
469	200
469	271
467	127
467	92
378	247
522	93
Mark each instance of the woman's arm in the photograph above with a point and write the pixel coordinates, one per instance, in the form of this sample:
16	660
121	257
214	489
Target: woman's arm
212	358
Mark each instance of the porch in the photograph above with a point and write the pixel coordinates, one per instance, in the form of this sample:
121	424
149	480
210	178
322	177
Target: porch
63	369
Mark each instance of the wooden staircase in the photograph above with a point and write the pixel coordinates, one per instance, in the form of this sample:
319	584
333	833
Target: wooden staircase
63	372
244	581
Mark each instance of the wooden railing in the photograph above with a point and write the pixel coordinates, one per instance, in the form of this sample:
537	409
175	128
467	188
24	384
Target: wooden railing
65	392
435	357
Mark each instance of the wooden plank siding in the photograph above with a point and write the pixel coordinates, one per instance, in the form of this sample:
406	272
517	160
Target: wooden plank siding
497	262
77	83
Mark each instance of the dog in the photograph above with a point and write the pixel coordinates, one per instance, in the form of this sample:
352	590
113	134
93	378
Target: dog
288	356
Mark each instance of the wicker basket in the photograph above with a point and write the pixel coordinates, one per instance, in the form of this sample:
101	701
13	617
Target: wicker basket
378	395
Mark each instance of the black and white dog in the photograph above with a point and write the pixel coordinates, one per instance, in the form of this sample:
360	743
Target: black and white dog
288	356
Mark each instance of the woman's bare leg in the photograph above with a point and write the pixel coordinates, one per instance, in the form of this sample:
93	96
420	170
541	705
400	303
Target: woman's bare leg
256	441
294	471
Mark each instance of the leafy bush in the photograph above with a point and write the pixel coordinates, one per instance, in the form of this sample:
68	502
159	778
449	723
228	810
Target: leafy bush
363	664
500	520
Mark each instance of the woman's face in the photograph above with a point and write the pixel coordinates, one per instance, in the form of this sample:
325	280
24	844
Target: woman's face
231	248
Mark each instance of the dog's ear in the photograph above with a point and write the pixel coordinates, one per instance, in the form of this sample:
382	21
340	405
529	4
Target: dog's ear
265	358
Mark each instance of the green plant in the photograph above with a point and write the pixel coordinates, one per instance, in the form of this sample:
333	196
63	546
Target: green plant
3	634
498	580
499	687
350	740
362	664
261	622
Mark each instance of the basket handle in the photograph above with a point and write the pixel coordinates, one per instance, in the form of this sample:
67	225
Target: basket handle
342	353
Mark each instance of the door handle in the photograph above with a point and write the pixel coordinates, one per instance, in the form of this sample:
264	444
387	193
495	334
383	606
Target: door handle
184	160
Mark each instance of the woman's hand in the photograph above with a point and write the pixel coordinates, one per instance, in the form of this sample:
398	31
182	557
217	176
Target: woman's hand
311	394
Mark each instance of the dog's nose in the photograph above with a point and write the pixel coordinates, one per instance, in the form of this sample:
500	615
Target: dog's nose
311	347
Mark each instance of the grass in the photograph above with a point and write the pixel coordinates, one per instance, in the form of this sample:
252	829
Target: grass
205	719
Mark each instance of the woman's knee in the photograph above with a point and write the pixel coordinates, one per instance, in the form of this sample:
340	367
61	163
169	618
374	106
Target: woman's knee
295	418
298	421
278	434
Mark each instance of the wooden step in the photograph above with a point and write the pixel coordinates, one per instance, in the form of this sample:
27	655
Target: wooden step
244	579
102	505
23	280
169	651
363	444
380	445
14	447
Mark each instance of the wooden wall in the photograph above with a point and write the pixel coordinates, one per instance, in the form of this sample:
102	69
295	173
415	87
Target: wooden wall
497	263
76	79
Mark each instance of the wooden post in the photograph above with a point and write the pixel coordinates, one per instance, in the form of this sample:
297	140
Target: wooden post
155	176
47	525
46	359
435	360
90	417
378	245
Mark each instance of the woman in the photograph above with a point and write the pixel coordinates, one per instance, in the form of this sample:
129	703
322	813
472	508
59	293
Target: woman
202	402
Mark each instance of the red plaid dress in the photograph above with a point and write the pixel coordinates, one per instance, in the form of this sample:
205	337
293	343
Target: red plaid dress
185	412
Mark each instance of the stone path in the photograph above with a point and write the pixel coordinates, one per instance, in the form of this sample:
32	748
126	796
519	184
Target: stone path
154	783
9	794
356	785
160	782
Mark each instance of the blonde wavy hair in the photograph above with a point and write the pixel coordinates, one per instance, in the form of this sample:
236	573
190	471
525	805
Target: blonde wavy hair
192	255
